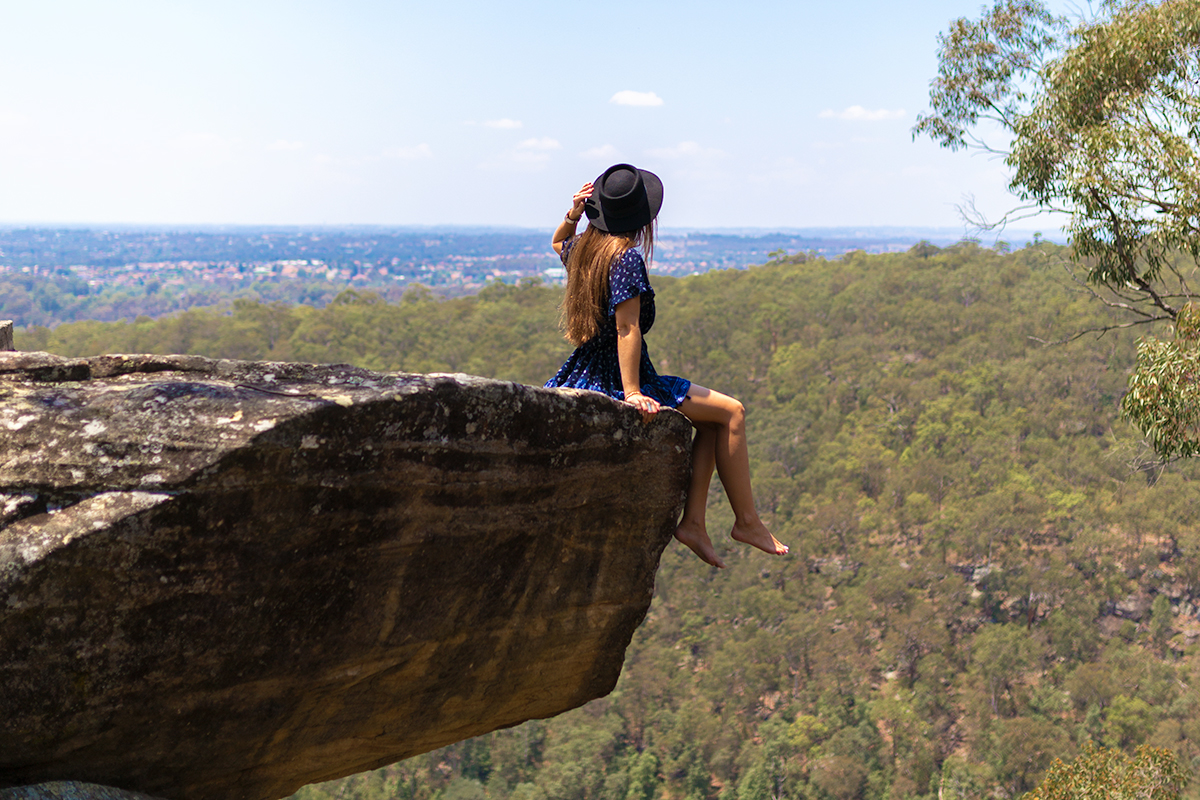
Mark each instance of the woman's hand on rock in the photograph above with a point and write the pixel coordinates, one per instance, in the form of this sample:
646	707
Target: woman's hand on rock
647	405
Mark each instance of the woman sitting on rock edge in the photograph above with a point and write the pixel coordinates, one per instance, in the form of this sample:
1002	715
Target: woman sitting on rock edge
607	308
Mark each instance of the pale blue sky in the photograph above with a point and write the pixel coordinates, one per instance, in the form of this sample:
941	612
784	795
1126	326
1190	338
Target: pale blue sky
474	113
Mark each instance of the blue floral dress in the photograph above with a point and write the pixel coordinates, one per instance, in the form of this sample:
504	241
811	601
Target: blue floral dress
594	364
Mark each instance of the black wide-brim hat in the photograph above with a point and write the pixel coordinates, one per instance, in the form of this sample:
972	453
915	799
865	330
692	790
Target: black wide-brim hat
624	198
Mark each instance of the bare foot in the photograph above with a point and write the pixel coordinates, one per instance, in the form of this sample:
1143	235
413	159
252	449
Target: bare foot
696	538
757	534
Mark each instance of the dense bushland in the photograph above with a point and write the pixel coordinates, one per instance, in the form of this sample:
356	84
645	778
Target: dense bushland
988	570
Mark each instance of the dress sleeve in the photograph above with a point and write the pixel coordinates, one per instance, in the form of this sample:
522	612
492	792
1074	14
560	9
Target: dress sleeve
566	251
626	279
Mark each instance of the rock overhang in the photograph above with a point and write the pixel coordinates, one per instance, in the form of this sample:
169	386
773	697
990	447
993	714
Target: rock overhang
325	567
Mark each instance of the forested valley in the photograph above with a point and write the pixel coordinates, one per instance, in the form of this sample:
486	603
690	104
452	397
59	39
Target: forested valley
988	570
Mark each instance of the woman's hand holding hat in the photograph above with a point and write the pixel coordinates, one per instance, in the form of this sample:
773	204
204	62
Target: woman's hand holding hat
576	212
566	228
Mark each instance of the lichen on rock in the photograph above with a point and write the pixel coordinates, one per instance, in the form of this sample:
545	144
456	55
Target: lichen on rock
224	579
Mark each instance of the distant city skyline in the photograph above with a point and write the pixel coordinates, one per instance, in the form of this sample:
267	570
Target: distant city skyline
768	115
53	275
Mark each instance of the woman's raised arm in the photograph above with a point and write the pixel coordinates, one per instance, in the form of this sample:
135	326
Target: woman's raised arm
566	228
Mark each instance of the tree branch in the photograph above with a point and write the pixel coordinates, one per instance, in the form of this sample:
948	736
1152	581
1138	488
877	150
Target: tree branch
1100	329
1126	256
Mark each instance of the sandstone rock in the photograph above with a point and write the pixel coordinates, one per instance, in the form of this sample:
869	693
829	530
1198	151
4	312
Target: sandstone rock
226	579
6	334
1135	607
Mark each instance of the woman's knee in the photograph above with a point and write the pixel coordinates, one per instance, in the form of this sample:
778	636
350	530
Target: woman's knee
737	414
732	410
714	408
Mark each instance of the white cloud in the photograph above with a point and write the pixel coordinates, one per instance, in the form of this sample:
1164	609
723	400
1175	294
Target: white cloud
544	143
686	150
409	153
207	149
503	124
604	151
527	157
517	159
860	114
532	153
201	141
631	98
283	144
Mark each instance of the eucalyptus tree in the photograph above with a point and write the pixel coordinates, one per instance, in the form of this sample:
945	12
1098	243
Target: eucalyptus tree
1153	773
1101	122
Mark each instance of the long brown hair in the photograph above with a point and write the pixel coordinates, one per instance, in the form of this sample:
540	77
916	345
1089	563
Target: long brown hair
585	302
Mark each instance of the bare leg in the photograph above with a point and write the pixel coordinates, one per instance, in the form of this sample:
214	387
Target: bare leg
733	463
692	530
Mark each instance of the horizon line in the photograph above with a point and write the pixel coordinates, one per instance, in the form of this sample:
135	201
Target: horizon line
957	233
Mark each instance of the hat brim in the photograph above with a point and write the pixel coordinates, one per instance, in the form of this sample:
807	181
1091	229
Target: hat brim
628	222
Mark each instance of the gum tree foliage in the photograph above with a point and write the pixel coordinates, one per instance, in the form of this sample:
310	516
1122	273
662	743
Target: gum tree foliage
1103	124
1154	773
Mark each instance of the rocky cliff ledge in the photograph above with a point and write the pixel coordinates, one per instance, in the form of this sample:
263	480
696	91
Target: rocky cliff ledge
225	579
